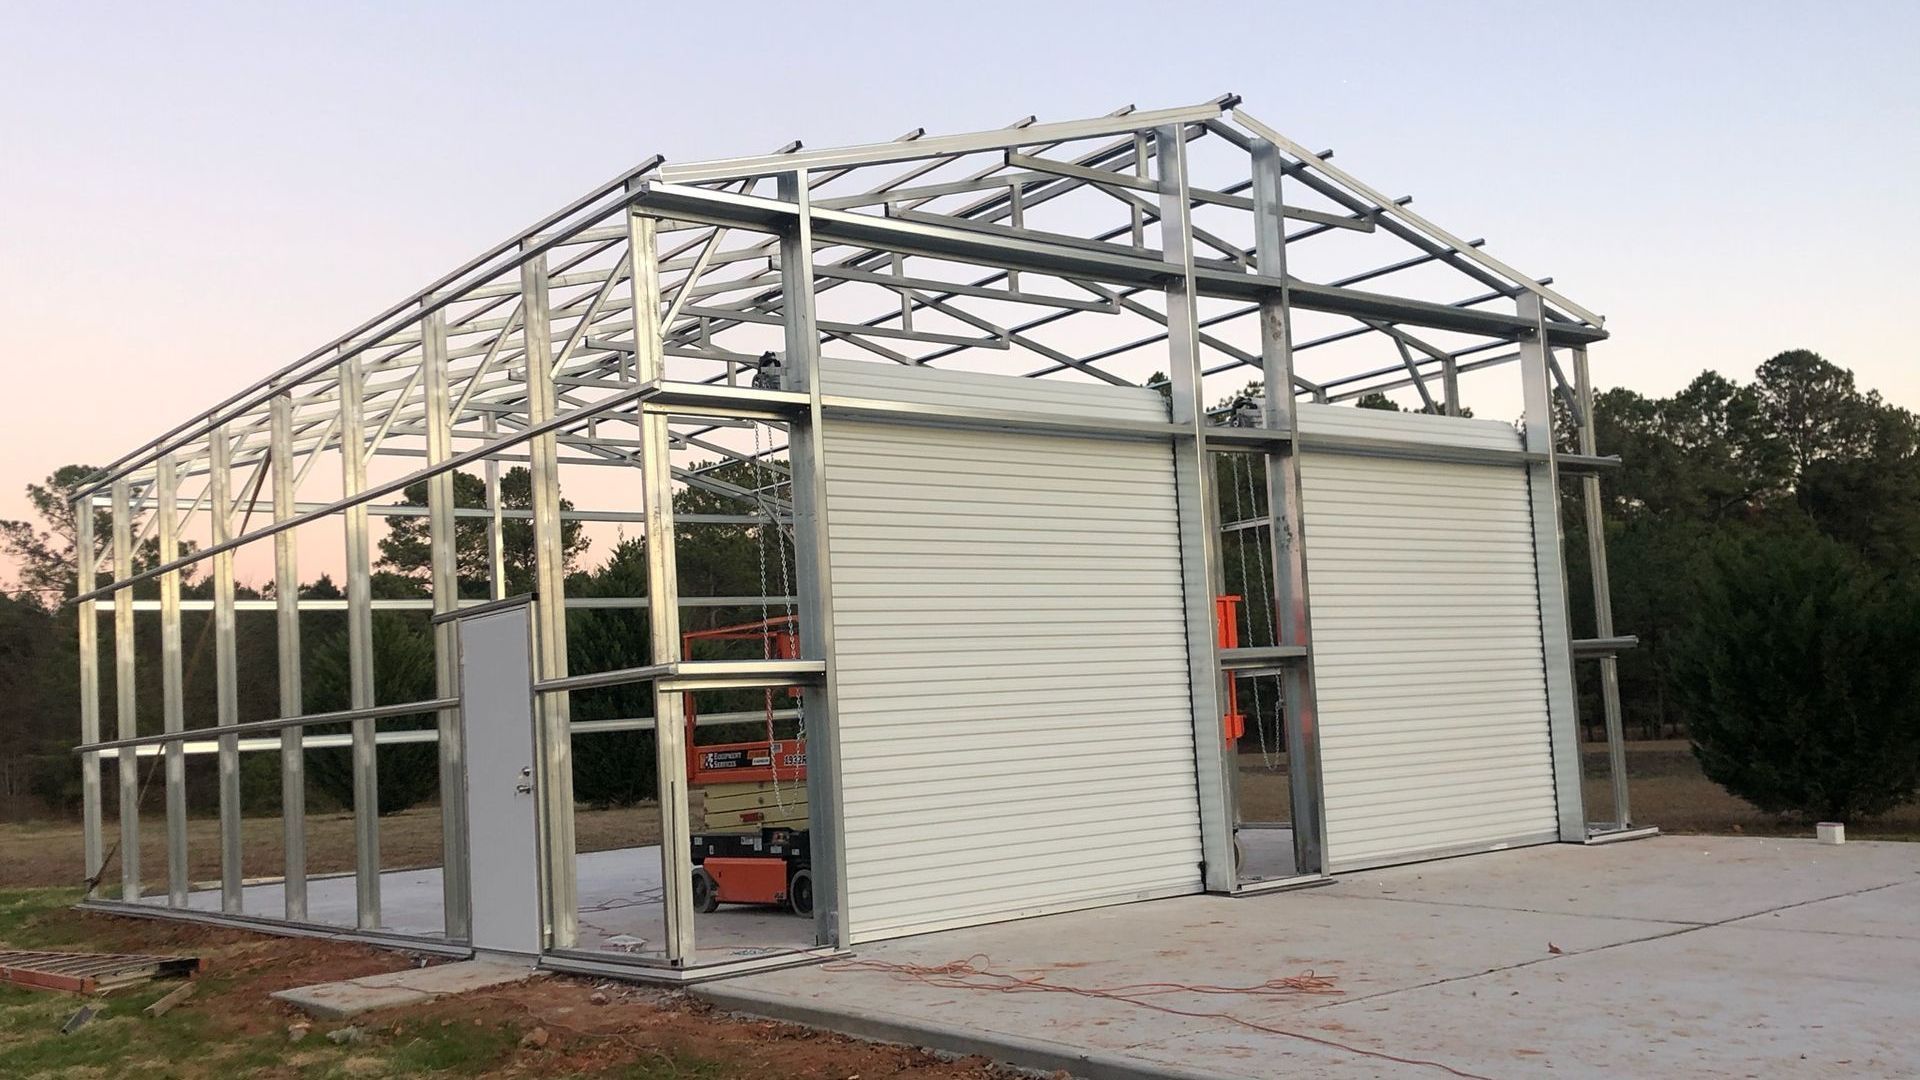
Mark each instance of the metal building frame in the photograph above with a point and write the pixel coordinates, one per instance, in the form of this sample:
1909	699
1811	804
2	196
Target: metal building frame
644	325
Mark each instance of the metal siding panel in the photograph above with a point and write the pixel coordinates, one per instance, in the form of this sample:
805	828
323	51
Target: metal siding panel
1351	422
1012	677
940	386
1427	647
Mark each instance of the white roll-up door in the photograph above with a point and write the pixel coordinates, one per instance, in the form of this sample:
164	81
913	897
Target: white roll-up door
1015	735
1428	666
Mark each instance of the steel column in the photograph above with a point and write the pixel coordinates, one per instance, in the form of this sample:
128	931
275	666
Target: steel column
1602	595
496	528
172	706
555	785
812	568
1286	532
286	603
443	545
226	690
86	557
1556	638
663	598
126	707
366	762
1199	518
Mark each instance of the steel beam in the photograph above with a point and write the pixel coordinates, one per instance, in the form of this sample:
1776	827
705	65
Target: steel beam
226	679
555	782
443	548
1602	596
1286	531
1008	250
286	603
366	760
86	557
1563	722
125	705
812	567
780	165
494	261
172	705
496	527
1198	517
663	609
1394	208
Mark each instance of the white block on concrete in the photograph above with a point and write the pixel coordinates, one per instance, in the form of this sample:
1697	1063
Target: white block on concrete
414	986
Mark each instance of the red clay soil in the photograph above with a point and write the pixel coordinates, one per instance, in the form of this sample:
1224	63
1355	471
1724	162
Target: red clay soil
547	1026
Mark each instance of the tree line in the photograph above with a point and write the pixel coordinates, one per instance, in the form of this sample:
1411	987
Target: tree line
1763	539
39	666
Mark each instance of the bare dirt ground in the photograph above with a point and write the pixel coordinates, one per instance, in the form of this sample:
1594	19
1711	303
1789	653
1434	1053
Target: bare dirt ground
547	1027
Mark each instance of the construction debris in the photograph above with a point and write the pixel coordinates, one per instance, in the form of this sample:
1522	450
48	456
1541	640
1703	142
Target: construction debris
88	973
174	997
81	1018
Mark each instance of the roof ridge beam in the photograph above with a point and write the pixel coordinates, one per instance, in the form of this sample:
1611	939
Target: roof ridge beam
942	146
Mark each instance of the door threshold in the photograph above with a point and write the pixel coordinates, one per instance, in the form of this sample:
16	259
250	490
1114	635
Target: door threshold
1638	832
1300	881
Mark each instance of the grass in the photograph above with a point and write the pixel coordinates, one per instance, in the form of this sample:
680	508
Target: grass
49	853
1665	788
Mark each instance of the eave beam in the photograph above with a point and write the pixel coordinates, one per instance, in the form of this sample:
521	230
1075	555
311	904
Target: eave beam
1120	266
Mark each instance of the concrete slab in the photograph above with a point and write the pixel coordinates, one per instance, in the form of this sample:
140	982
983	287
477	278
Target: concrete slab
413	986
1693	879
1675	956
339	1001
1887	912
620	908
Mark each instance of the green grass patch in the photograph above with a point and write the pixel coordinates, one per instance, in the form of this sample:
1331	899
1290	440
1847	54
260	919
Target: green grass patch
119	1042
457	1049
24	923
200	1041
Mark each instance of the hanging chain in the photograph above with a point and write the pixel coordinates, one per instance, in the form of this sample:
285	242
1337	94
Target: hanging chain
1240	549
1264	603
760	548
763	504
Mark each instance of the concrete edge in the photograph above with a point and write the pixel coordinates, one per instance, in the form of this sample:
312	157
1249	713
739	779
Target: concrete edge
1018	1051
348	1006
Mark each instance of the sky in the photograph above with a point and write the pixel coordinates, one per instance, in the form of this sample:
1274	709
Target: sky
193	195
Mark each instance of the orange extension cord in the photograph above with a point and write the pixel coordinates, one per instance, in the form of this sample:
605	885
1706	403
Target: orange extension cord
974	973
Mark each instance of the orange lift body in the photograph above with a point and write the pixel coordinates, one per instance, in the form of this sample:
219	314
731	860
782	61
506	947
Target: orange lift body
763	759
1226	617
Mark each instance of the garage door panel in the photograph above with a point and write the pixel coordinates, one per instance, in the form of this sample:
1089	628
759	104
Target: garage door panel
1428	669
1010	659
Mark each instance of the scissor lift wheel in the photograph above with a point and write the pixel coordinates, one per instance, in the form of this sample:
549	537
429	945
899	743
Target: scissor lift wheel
706	894
800	891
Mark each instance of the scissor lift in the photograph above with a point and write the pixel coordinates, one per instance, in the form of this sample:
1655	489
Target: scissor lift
772	864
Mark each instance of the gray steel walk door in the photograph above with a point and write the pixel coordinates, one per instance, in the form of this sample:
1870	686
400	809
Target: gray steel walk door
1011	659
1427	643
496	711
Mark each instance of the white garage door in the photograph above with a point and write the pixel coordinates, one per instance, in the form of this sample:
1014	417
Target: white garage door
1427	644
1015	735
